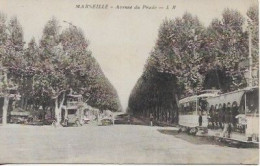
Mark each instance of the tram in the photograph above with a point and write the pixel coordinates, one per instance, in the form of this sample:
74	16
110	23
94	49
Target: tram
72	112
192	108
242	109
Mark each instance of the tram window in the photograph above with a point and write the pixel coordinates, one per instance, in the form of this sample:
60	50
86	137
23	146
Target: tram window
219	107
235	111
192	107
181	109
72	111
252	106
211	109
224	106
252	102
185	109
228	104
234	104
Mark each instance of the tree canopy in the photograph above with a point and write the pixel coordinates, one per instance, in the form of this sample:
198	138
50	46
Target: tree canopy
60	62
195	57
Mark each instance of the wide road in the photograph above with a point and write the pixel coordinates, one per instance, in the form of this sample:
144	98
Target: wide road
111	144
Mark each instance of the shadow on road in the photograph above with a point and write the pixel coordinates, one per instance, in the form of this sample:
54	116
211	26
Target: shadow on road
189	138
201	140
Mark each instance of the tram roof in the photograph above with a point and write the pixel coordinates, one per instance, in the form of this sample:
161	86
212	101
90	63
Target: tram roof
214	97
195	97
72	95
230	97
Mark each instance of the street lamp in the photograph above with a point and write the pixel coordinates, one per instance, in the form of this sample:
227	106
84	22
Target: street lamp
250	53
70	24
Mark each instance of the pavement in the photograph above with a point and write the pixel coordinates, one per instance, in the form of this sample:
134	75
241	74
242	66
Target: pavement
235	139
234	135
118	144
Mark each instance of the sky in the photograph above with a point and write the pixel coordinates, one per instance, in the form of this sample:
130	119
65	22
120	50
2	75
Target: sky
120	39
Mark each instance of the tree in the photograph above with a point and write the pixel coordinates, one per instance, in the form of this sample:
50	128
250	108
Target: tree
85	75
180	49
229	47
11	53
197	58
44	74
68	66
253	27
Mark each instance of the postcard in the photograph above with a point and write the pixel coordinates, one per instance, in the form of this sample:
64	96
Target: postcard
129	81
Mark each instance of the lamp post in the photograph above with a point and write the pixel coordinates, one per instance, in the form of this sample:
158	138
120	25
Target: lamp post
70	24
250	56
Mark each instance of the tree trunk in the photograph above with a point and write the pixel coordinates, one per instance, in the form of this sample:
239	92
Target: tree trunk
58	110
22	102
26	103
5	109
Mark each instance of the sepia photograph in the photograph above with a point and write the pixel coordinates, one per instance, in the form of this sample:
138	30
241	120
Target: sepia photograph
129	82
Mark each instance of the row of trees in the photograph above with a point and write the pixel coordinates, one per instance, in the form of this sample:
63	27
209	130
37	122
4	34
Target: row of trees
189	57
43	73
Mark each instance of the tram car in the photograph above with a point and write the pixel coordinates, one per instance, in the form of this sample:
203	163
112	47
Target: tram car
239	108
193	110
72	112
211	110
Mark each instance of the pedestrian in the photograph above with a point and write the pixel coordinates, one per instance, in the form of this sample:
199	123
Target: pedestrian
66	121
227	122
224	113
220	116
234	113
129	119
151	119
216	116
225	129
112	119
200	120
229	130
54	122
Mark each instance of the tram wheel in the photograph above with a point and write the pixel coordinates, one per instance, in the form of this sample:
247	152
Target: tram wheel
77	123
193	131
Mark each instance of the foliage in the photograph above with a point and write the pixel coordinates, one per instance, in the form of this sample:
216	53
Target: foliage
61	63
196	58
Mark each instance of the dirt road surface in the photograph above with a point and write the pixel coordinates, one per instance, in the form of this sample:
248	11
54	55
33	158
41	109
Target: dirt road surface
111	144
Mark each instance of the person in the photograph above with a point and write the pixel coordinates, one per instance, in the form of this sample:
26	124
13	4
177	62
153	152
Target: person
151	119
220	116
66	120
229	130
223	112
227	125
129	119
112	119
54	122
225	128
214	119
235	112
200	120
229	120
210	118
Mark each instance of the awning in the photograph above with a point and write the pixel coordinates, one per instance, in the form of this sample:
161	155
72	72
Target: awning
195	97
20	113
74	95
226	98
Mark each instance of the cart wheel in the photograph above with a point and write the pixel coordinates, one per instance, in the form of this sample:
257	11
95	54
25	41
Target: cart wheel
77	123
53	123
193	131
